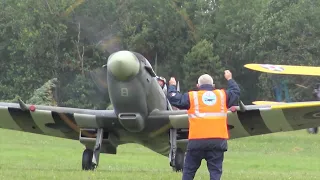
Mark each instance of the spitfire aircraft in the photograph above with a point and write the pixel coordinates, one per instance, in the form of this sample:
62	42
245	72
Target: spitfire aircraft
143	115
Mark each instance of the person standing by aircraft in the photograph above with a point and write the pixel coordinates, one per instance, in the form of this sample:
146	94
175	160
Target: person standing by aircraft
316	94
208	133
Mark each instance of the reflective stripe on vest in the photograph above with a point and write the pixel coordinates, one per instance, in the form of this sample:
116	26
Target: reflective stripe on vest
196	107
207	115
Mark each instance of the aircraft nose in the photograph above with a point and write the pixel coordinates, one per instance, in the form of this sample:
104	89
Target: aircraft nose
123	65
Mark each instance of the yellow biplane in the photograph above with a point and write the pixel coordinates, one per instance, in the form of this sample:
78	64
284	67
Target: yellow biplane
285	70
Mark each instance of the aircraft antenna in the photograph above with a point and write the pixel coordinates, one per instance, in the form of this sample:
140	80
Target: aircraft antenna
178	86
156	63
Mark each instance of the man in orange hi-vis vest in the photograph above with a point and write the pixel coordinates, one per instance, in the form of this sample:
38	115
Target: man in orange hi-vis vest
208	132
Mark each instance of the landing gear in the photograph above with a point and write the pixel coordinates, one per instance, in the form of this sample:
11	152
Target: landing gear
178	161
313	130
176	155
90	159
87	160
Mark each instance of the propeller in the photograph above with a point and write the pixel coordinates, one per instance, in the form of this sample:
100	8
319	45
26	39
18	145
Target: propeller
99	34
99	77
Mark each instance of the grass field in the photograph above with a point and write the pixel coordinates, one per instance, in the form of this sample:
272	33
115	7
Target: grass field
292	155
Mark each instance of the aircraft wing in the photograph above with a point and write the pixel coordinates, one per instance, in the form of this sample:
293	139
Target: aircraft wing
260	119
55	121
285	69
267	102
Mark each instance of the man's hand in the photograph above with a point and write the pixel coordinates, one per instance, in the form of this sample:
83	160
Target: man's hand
227	75
172	81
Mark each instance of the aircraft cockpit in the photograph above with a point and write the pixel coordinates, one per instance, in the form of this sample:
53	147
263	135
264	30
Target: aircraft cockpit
147	64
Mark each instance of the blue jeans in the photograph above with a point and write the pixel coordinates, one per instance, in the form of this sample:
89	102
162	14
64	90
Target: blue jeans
193	159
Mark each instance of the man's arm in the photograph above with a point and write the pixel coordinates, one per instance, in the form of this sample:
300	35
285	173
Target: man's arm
177	99
233	93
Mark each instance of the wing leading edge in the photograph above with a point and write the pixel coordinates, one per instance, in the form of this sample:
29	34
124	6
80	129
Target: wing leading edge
55	121
66	122
262	119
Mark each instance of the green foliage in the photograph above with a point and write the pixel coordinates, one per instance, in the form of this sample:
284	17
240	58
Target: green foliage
14	100
232	30
286	33
45	95
201	60
32	32
110	107
81	93
40	40
39	45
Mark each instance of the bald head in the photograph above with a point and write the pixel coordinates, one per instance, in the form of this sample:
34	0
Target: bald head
205	79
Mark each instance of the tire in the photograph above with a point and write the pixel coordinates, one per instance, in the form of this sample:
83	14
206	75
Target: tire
179	160
87	160
313	130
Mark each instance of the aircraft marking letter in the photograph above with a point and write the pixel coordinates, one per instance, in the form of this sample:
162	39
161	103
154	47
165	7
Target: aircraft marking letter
124	92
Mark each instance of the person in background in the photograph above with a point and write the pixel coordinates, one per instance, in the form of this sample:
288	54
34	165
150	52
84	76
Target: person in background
162	82
316	94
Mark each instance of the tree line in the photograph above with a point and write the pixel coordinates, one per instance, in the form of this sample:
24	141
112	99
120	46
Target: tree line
42	40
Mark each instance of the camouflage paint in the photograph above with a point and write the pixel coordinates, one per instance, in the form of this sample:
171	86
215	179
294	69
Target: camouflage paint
149	100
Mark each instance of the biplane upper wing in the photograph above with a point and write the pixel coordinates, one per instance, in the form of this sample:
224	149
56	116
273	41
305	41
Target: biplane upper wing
55	121
261	119
285	69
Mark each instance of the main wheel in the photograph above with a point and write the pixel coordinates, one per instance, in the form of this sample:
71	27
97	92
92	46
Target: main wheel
313	130
87	160
179	160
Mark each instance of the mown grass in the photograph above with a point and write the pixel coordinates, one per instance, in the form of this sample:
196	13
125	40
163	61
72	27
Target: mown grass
291	155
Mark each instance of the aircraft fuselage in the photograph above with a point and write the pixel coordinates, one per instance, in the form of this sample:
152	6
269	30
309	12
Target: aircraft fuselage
135	93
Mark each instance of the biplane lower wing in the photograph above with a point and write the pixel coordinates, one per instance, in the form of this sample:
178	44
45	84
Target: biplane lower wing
55	121
285	69
265	119
267	102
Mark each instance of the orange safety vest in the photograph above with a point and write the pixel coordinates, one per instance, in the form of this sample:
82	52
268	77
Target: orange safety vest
208	114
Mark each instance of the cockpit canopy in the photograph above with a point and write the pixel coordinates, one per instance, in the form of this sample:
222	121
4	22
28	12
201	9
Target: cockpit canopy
146	64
